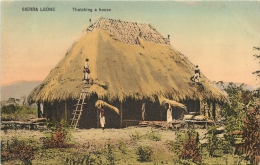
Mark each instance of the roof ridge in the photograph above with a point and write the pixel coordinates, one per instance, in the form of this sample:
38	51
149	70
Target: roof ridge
129	32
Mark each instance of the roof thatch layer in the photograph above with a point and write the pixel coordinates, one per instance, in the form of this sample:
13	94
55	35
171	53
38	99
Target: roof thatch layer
101	103
119	70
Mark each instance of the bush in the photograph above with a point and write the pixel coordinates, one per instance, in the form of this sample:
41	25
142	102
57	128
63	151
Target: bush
17	110
154	136
122	147
110	154
144	153
135	136
57	139
95	157
235	112
174	146
213	141
17	149
190	149
9	109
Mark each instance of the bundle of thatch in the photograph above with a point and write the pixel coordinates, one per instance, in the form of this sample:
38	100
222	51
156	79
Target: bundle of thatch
101	103
120	70
173	103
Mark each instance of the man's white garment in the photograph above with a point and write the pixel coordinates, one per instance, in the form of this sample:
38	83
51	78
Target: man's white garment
86	74
169	115
102	121
197	77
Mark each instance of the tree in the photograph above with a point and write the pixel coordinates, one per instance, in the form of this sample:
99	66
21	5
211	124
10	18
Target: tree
240	100
257	56
251	133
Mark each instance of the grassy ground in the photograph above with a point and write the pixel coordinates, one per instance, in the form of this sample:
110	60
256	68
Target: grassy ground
21	113
111	146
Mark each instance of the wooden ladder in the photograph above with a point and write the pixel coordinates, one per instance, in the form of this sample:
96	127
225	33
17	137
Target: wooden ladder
80	106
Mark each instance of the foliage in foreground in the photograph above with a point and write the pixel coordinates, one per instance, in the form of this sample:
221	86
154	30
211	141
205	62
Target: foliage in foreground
17	149
144	153
251	133
186	146
216	144
152	135
94	157
122	147
58	139
190	149
241	101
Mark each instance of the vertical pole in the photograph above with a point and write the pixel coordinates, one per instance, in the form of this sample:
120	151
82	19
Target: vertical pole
39	109
121	114
211	110
218	112
44	110
160	115
214	111
57	112
97	118
66	112
200	107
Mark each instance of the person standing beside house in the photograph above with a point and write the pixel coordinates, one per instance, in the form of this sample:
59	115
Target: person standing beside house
169	114
86	71
102	117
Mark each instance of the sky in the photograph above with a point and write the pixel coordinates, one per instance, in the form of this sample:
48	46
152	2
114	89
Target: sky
216	35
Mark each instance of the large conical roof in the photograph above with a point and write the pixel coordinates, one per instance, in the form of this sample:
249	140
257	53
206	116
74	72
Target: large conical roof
126	60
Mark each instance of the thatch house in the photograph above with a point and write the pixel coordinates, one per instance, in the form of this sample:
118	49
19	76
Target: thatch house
131	64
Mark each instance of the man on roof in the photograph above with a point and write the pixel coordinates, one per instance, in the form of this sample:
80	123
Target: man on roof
196	77
86	71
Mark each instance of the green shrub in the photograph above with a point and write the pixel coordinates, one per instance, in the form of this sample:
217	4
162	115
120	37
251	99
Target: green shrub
110	154
174	146
154	136
144	153
135	136
9	109
213	140
190	149
14	149
122	147
104	156
91	158
216	144
183	162
24	110
251	133
58	139
64	123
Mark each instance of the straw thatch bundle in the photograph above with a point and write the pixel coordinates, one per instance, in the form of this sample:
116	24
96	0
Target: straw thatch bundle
173	103
101	103
148	69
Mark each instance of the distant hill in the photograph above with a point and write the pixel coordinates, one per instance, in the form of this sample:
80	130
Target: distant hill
246	86
18	89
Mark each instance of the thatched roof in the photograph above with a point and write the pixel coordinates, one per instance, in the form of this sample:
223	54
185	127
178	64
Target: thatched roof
121	69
